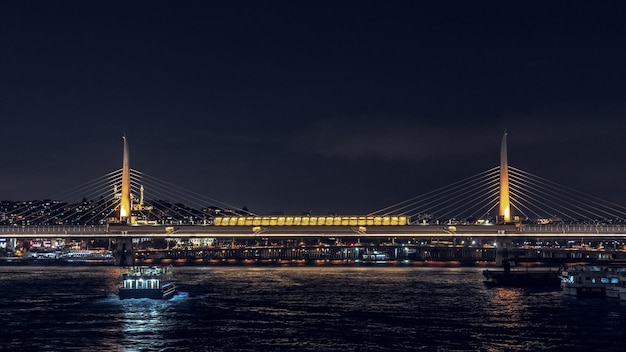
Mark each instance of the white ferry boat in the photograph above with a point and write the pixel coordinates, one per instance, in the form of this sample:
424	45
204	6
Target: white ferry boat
148	282
375	258
89	256
590	280
43	254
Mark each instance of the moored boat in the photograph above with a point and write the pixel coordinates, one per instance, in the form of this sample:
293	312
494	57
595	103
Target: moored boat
87	256
529	277
590	280
375	258
148	282
521	276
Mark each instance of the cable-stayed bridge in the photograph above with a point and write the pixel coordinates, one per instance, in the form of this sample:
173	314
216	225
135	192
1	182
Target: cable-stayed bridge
500	200
503	202
468	206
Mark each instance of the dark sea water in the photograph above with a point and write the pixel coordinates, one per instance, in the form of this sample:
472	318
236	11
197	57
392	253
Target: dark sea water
299	309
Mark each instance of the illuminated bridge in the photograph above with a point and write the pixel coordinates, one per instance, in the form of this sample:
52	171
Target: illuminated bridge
497	207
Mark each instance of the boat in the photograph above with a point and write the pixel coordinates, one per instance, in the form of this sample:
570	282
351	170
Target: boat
153	282
43	254
375	258
528	277
521	277
590	280
89	256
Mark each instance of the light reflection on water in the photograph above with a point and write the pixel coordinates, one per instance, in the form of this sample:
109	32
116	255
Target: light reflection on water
508	306
304	308
143	323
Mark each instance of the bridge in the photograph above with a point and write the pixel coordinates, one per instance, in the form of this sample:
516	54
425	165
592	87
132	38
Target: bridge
499	206
600	231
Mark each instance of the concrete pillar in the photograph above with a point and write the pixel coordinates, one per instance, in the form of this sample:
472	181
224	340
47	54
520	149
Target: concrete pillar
124	254
502	252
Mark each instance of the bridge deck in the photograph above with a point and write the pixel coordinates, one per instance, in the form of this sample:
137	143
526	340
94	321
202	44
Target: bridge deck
608	231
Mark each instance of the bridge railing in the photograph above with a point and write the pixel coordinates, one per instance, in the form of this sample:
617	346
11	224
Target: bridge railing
54	229
573	228
523	229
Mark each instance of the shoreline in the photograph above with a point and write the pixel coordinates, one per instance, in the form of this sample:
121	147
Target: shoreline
266	263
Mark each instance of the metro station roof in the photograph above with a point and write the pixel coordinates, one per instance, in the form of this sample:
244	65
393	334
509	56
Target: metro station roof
391	220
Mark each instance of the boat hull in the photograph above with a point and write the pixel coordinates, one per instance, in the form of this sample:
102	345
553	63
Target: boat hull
585	292
521	278
611	292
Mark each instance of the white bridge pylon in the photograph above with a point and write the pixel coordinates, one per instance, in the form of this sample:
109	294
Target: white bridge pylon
516	194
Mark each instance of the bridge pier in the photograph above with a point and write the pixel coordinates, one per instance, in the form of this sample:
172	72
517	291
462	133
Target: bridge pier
123	253
502	251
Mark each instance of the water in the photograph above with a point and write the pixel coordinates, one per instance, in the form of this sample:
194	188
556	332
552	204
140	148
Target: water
299	309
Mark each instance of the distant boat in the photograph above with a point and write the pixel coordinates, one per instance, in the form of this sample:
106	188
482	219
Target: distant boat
153	282
375	258
527	277
521	277
43	254
87	256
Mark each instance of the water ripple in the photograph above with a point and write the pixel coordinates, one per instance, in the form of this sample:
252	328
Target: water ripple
299	309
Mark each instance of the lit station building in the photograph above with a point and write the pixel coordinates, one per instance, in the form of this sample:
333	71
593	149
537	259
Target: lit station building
311	220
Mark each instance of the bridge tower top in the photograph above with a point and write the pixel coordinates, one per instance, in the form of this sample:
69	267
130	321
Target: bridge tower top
505	201
125	206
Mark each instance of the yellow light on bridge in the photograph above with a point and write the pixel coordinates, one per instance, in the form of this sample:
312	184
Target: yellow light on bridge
353	221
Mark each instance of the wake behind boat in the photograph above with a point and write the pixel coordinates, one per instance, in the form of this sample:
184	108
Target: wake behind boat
153	282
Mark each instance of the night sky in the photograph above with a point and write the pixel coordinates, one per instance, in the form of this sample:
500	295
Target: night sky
321	106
